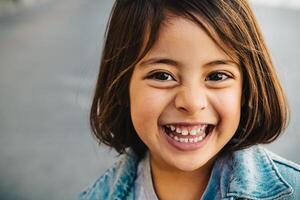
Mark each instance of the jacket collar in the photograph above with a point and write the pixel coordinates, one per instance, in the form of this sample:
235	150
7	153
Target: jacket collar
246	173
250	174
125	174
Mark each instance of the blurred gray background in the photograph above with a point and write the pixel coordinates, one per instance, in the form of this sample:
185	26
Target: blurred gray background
49	57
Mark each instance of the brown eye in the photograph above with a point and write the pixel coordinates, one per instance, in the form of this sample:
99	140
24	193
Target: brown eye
217	76
161	76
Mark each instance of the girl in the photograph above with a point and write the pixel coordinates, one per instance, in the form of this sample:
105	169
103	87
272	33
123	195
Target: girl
186	91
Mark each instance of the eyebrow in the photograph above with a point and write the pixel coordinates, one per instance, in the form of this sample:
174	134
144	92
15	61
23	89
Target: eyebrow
159	60
171	62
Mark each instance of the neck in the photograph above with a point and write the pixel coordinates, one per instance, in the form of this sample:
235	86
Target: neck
176	184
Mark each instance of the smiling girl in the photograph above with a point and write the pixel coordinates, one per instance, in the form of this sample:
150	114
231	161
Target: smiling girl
187	91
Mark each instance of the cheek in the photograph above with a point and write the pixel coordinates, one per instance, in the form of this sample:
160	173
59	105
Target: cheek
228	106
147	104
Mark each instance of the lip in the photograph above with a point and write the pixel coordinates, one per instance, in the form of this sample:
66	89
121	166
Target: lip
185	146
187	123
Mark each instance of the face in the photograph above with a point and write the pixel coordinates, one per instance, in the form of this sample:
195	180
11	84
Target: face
185	97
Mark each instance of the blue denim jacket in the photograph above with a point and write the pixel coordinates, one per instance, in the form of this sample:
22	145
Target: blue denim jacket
253	173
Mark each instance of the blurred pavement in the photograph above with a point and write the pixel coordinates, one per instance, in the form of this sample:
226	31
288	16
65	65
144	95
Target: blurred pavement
49	57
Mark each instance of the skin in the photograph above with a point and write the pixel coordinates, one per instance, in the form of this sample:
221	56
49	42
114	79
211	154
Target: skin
185	77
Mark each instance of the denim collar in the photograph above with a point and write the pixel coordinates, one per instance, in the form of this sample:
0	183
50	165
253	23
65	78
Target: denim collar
123	187
248	174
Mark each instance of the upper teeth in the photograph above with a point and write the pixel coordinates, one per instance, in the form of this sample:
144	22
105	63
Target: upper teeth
186	130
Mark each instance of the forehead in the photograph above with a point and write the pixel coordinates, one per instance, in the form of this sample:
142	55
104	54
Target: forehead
186	27
185	38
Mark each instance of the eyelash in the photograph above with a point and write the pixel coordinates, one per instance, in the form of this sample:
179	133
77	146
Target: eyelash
169	77
152	76
224	76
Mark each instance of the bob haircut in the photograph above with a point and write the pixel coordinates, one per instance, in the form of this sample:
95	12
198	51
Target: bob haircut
133	29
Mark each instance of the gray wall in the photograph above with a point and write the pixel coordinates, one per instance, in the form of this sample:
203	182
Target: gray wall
49	57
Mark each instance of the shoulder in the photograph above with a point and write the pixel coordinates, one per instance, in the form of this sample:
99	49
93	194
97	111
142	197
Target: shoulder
116	183
288	170
284	164
100	189
257	173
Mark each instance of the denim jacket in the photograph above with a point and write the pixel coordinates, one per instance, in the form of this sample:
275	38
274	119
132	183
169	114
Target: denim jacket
253	173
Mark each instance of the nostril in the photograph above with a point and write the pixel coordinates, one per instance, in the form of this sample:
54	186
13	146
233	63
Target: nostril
182	109
190	102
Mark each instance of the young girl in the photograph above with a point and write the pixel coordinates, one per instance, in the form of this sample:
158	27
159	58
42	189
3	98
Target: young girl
186	91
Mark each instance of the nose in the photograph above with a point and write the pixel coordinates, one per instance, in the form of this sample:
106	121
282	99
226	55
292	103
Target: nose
191	99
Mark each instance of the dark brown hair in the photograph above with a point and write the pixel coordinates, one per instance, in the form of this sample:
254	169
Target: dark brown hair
131	32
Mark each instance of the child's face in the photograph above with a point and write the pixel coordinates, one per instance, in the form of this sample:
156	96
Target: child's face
185	97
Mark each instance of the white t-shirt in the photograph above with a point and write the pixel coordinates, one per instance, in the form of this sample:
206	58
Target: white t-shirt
144	189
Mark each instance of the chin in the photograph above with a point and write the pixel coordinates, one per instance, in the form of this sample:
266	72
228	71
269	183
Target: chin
189	165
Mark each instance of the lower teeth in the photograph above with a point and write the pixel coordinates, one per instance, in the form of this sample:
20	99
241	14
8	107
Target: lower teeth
187	140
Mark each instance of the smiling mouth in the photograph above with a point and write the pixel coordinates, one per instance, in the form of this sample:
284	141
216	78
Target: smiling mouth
188	135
